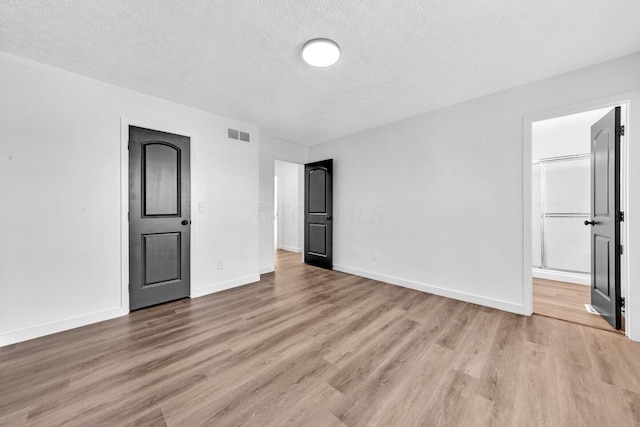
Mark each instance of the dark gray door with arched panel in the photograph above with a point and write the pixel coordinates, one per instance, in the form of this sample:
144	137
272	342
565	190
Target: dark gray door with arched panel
159	217
605	217
318	213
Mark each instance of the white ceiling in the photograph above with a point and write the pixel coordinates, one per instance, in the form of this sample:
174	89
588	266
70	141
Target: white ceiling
241	58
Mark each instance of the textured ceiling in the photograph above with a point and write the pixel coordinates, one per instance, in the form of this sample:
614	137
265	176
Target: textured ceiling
241	58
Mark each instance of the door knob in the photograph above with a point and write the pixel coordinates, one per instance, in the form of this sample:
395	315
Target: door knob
330	218
589	223
185	222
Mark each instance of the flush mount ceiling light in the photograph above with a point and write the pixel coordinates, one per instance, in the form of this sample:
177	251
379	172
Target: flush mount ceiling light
321	52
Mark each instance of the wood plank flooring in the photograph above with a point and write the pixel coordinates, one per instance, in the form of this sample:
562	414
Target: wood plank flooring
566	301
311	347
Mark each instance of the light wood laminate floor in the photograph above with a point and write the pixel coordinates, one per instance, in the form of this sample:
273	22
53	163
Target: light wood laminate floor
313	347
566	301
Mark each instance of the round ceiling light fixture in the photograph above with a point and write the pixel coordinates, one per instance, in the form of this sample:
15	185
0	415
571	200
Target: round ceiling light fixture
321	52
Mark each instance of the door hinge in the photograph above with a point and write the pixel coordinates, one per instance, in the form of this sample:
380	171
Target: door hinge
620	131
622	302
620	250
128	145
129	216
620	216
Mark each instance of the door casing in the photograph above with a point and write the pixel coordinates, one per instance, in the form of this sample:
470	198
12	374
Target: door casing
124	197
301	232
528	120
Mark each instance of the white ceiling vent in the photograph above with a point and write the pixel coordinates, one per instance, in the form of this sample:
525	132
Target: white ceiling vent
238	135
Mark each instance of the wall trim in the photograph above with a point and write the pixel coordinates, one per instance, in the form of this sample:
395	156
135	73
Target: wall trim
436	290
59	326
290	248
223	286
266	270
562	276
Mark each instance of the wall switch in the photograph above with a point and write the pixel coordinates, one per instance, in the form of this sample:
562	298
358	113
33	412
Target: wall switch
220	263
374	256
202	206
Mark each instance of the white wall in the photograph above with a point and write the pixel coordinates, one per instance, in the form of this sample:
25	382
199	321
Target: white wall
60	183
448	187
564	136
290	205
272	149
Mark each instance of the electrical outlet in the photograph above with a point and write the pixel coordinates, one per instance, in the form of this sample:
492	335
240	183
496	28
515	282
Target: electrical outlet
202	206
220	264
374	256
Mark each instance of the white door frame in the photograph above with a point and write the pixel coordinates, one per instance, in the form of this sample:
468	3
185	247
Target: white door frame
276	212
301	229
528	120
124	197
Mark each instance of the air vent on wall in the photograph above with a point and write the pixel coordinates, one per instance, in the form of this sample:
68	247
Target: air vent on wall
232	133
238	135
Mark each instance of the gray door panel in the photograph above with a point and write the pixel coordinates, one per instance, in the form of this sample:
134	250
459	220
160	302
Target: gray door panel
159	217
318	214
605	224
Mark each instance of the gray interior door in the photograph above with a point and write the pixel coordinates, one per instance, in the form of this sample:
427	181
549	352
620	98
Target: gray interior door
318	213
605	217
159	217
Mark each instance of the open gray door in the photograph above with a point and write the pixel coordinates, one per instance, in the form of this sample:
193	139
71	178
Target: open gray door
318	214
159	217
606	217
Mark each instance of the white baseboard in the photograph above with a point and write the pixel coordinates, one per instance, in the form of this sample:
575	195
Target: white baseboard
562	276
59	326
8	338
462	296
265	270
218	287
289	248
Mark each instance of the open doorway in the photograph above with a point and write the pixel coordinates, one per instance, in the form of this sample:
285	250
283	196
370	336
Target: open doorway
288	212
563	182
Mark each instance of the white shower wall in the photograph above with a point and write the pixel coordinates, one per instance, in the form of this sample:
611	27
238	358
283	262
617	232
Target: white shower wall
561	238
